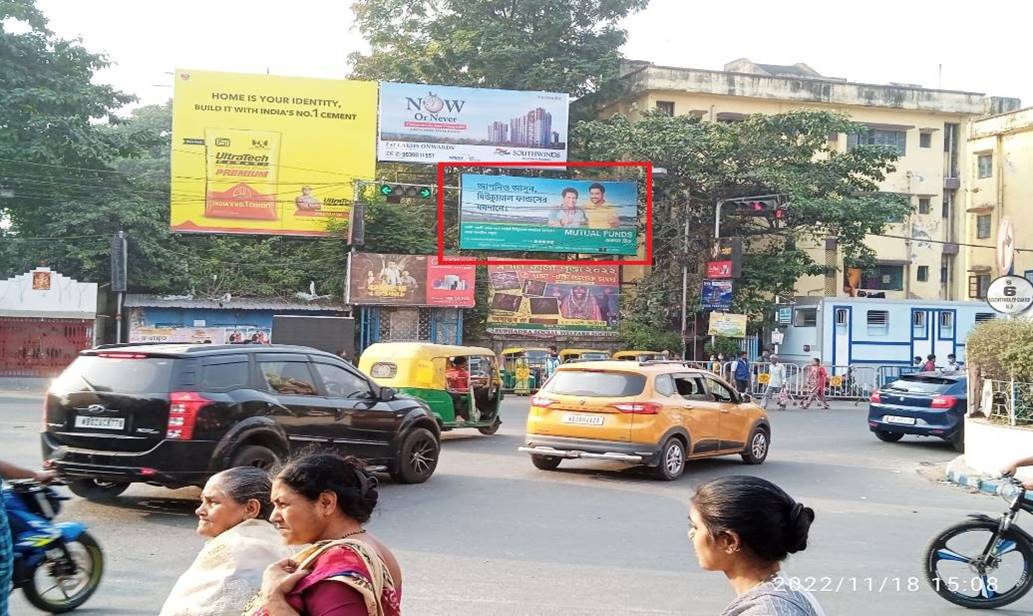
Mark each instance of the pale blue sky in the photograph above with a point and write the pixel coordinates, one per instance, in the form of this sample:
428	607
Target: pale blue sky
982	47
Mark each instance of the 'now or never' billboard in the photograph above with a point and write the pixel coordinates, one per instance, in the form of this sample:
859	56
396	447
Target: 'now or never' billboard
409	280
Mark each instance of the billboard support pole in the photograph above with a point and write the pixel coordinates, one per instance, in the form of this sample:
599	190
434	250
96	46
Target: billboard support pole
685	283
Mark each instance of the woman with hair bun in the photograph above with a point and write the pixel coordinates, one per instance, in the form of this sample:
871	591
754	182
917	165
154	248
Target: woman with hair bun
324	499
745	527
227	572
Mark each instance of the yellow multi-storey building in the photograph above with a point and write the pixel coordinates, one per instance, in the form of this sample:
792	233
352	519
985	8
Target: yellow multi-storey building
999	166
917	257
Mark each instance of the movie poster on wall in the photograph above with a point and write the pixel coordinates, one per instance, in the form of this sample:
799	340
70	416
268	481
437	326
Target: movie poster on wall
409	280
554	300
430	123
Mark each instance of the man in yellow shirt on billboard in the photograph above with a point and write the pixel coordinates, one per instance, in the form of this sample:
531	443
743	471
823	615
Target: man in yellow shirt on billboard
601	213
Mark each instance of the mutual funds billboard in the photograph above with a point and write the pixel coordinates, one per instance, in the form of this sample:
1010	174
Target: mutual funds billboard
553	300
409	280
268	155
431	124
500	212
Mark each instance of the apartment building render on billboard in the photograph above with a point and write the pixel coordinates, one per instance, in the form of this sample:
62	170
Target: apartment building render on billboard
533	129
931	128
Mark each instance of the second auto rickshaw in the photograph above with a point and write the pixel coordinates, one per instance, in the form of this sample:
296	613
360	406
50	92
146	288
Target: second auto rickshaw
461	385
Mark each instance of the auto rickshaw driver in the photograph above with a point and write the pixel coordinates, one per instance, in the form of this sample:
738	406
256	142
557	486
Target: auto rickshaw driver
457	380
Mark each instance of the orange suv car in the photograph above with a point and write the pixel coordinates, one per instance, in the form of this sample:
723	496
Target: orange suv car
656	413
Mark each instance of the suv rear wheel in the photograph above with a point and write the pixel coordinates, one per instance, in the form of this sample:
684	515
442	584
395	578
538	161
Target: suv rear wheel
545	463
97	490
757	448
418	457
255	455
672	460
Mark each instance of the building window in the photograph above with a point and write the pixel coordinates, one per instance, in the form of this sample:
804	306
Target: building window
977	286
918	319
923	273
925	140
924	205
983	222
982	317
665	107
805	317
946	209
877	136
986	165
946	320
841	316
884	278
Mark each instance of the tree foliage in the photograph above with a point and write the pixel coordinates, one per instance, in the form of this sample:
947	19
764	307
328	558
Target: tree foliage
830	194
554	45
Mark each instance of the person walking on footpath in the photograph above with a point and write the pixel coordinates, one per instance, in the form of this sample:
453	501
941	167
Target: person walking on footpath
745	527
776	380
817	380
741	373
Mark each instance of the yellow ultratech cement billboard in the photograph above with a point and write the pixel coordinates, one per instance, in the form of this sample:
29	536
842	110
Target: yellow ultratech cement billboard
269	155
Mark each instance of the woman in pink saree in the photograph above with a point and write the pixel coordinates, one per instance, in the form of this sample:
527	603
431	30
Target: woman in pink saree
324	500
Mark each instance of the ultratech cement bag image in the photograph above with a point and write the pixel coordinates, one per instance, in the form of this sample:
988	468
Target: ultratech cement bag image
241	173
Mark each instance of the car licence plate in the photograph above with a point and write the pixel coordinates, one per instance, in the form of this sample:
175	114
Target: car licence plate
583	420
893	419
103	423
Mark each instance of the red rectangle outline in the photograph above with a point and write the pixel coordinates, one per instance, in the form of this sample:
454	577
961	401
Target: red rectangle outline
647	260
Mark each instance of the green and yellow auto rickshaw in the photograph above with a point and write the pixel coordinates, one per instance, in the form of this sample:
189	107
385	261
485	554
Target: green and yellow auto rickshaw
461	385
568	355
523	369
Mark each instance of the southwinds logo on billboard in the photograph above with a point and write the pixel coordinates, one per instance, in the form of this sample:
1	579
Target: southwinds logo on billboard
429	108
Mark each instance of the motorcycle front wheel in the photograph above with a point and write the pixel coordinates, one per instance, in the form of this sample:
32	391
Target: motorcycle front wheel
58	586
961	570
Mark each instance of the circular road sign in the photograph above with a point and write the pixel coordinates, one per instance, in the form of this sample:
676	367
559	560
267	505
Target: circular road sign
1010	294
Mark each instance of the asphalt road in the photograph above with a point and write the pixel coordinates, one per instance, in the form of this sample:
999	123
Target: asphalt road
490	534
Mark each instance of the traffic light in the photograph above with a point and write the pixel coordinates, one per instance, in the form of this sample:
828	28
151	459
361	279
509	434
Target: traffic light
394	192
771	207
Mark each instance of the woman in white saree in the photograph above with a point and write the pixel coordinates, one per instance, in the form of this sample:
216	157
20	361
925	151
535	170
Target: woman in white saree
233	514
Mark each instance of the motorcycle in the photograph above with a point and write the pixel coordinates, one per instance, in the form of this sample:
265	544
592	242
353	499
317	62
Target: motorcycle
57	565
984	562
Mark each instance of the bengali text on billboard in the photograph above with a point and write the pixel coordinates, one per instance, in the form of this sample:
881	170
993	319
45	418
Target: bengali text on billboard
553	299
409	280
431	124
268	155
500	212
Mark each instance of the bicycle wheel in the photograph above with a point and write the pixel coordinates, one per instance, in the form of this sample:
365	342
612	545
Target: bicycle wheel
961	571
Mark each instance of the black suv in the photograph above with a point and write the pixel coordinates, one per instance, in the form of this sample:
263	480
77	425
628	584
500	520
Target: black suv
174	414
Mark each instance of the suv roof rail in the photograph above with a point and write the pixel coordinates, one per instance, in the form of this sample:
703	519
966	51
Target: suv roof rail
120	345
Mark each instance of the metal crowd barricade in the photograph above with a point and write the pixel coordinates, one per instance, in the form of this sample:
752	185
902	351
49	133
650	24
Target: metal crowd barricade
888	374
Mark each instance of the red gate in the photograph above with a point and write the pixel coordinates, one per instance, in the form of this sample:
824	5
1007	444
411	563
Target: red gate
41	347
